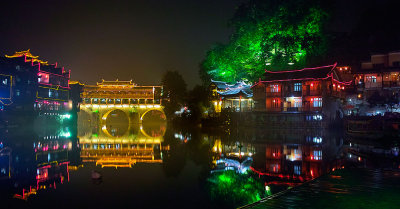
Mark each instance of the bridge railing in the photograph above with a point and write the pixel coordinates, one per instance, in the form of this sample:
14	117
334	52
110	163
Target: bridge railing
102	101
142	106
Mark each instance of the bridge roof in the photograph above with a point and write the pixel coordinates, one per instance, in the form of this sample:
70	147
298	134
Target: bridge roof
116	83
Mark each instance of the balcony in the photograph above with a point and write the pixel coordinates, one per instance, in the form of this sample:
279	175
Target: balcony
274	94
292	94
312	93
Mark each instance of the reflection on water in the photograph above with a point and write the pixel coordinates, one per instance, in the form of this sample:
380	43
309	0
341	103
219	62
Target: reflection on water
178	167
135	144
31	161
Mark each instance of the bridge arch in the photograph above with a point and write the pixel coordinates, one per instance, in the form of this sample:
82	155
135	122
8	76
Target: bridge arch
143	132
152	109
105	115
108	134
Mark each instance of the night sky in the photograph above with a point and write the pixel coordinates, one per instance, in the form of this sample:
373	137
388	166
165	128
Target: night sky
136	39
141	39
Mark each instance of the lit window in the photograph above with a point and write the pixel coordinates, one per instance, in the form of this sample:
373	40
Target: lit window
317	155
317	102
297	87
297	102
274	168
43	78
275	103
373	79
297	170
317	117
317	139
274	87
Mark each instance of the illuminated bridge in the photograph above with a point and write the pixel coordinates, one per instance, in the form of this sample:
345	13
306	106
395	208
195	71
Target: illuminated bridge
107	96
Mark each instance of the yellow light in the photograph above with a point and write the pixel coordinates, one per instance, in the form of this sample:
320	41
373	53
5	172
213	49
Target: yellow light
157	106
215	103
142	106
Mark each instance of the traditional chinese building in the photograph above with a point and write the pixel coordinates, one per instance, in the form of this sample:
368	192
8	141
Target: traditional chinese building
380	74
121	92
30	84
233	97
300	91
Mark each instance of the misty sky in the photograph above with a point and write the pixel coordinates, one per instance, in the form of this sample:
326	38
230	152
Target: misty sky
137	39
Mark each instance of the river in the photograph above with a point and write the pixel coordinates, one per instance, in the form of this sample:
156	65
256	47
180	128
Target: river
155	165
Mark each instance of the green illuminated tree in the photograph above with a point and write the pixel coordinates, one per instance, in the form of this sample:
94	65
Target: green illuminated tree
273	35
233	190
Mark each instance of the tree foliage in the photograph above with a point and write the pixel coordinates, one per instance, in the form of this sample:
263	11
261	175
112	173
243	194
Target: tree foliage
233	190
174	91
197	102
268	34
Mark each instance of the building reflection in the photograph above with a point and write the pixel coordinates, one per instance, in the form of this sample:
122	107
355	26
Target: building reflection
136	144
282	157
297	156
32	162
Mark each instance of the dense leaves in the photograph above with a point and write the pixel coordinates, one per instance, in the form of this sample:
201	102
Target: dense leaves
270	35
233	189
174	91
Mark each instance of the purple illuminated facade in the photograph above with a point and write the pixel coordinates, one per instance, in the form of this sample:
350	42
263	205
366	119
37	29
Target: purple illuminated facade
29	84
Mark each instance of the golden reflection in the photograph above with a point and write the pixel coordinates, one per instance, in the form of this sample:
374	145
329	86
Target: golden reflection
140	143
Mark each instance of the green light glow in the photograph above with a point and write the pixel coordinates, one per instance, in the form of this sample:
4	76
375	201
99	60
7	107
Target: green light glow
268	36
65	134
231	188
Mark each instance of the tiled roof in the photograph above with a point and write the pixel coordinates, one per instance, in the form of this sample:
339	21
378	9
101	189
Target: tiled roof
233	90
303	74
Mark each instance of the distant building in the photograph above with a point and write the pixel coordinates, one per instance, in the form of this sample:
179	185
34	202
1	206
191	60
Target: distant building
233	97
377	85
380	74
30	84
306	90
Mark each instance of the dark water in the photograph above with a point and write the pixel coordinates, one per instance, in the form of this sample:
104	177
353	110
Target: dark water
157	166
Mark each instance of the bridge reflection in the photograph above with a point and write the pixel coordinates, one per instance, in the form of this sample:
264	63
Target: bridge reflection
138	144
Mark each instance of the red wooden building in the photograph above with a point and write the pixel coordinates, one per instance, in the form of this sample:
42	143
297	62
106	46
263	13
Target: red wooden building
305	90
